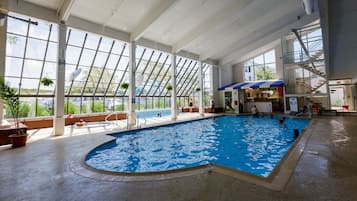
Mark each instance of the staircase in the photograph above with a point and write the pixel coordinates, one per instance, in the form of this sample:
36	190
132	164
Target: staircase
319	84
309	68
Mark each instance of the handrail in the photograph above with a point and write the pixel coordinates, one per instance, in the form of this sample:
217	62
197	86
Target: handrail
109	115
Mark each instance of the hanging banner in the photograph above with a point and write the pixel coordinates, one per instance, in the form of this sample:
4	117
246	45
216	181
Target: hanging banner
293	104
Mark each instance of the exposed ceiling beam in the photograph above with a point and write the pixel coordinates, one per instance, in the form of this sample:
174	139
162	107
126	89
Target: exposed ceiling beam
150	19
114	11
65	10
243	29
220	19
265	38
30	9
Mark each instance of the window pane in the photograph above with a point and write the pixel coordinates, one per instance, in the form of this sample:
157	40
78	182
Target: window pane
92	41
77	87
15	45
29	86
83	75
100	59
112	61
41	31
69	70
32	69
36	49
72	54
76	38
105	45
16	26
270	57
123	63
49	70
258	60
47	89
13	66
87	57
52	52
13	82
45	106
27	106
54	33
118	47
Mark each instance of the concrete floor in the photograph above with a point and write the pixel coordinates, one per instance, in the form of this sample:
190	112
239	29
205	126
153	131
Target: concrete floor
42	170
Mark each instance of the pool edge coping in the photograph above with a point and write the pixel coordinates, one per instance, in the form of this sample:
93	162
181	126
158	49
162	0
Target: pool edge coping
276	180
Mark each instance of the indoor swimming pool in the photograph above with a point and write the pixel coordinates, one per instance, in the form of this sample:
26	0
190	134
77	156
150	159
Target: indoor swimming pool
245	143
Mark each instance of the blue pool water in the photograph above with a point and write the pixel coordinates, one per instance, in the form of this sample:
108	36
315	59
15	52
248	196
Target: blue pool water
252	145
152	113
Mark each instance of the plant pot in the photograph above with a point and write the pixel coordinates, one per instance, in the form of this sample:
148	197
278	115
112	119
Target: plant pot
18	140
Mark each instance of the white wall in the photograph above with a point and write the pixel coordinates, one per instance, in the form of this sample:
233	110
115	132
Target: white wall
215	85
225	75
237	73
340	24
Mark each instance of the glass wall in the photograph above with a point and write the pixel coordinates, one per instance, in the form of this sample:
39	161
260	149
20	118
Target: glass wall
31	55
96	67
207	86
304	67
261	67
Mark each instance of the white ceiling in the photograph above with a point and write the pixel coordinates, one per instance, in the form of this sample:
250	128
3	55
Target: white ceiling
215	29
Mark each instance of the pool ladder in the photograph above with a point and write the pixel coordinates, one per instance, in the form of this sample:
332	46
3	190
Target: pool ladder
109	115
138	123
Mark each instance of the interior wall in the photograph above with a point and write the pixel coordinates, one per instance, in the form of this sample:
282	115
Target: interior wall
225	75
238	73
2	61
215	85
340	24
279	62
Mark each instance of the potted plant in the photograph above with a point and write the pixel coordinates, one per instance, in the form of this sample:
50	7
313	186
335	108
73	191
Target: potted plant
169	88
10	98
124	86
46	81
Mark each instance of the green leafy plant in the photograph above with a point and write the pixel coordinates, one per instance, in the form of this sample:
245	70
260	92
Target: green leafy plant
97	106
124	85
169	87
42	111
46	81
119	107
264	73
71	108
11	99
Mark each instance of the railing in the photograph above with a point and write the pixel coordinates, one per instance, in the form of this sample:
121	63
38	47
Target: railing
138	122
109	115
315	51
300	58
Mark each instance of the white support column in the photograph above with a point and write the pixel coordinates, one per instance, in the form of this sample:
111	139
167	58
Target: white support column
59	120
173	83
132	69
2	65
284	100
328	95
200	79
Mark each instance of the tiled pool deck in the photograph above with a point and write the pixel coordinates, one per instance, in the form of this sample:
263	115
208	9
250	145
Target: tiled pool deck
44	170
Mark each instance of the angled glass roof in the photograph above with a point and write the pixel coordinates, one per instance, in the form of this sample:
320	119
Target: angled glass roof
95	68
